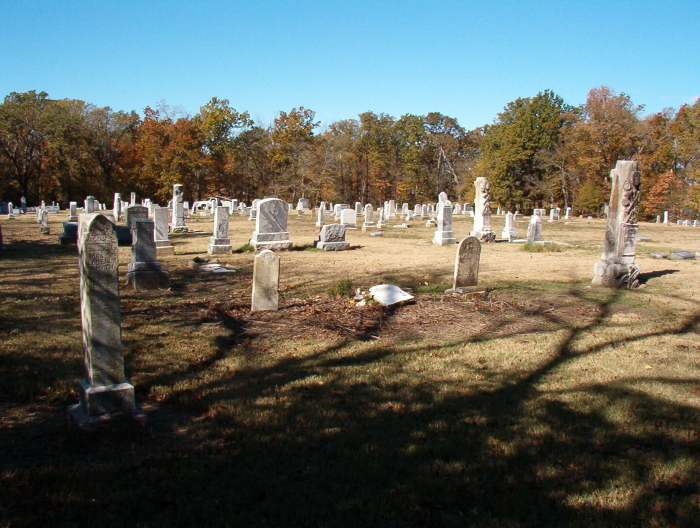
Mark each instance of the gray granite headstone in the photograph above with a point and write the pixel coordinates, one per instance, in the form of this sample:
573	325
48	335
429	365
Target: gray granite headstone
271	225
105	389
220	243
266	277
332	238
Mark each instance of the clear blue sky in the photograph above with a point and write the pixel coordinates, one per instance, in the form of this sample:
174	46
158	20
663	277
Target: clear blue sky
465	59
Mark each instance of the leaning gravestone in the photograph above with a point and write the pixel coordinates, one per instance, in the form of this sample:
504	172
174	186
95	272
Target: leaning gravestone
332	238
271	225
482	211
444	236
466	271
144	271
160	235
617	268
266	278
220	243
105	390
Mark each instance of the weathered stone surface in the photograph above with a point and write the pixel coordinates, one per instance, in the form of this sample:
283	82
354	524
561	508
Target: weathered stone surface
144	271
617	267
133	213
348	218
368	217
444	235
271	225
266	278
178	210
482	211
303	204
466	272
162	240
320	214
509	232
332	238
44	222
105	389
219	242
534	229
117	209
682	255
70	234
73	212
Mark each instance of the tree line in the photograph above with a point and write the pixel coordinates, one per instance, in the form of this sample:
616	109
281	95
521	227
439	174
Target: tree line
538	152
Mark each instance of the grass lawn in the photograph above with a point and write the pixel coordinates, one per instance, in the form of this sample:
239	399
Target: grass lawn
539	402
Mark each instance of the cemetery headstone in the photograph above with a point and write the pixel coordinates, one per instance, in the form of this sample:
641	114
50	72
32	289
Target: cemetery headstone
466	272
444	235
144	271
105	390
534	229
348	218
617	267
161	217
509	233
271	225
266	278
178	210
332	238
220	243
482	211
44	219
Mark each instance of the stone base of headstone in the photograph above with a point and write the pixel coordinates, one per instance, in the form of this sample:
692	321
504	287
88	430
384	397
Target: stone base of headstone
333	246
180	229
272	241
509	234
615	274
444	238
146	276
219	246
377	234
102	403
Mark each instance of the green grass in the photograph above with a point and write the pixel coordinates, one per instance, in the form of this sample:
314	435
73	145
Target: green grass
341	288
546	247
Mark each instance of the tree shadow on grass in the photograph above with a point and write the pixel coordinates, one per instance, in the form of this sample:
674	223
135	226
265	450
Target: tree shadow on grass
647	276
347	436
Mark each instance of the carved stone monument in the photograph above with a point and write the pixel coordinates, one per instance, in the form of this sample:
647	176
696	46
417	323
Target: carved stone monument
105	389
332	238
220	243
482	211
369	217
271	225
617	267
266	278
117	209
178	219
534	229
44	222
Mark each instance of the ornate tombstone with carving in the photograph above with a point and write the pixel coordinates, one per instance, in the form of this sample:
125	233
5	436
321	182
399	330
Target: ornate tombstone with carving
617	268
482	211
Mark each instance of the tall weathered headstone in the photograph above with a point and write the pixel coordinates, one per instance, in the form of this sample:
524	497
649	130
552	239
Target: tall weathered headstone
319	216
368	217
73	212
105	389
482	211
144	271
348	218
266	278
220	243
271	225
117	209
617	267
178	219
466	272
162	240
89	205
44	222
444	235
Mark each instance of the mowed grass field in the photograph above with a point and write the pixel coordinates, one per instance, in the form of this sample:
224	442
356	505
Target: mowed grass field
537	401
